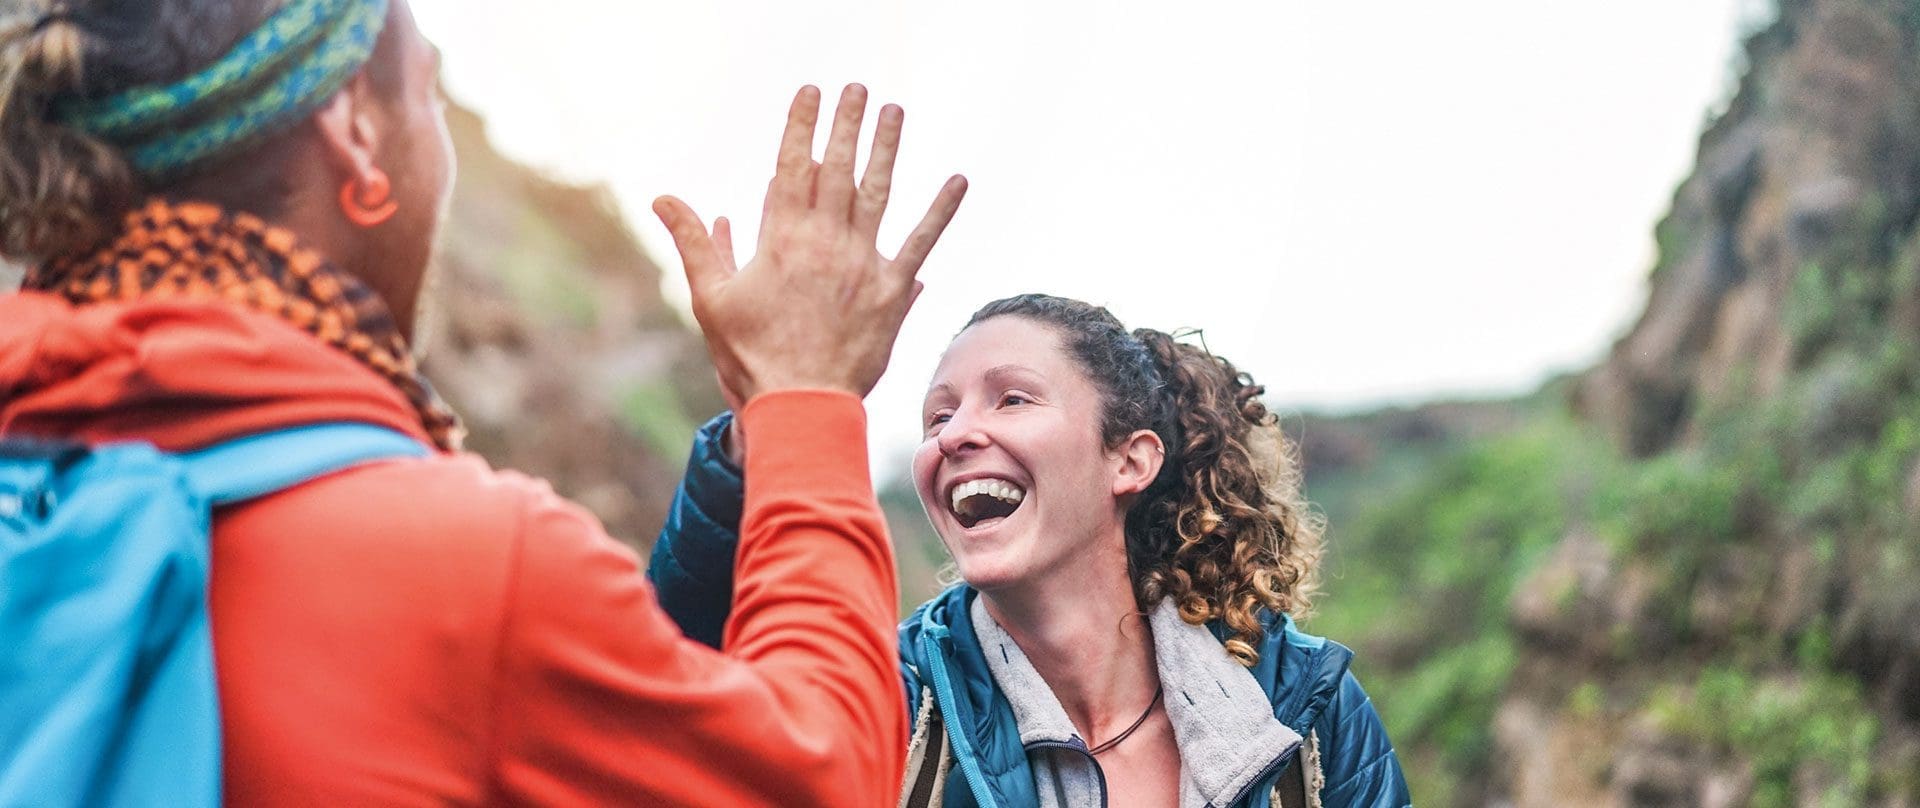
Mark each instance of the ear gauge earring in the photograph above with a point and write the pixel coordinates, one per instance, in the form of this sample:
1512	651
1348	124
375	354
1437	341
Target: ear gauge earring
368	200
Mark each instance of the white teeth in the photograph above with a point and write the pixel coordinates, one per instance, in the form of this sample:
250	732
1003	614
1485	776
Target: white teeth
998	489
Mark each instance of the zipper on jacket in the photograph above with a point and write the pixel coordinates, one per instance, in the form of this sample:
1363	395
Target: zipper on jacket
1077	745
956	732
1261	779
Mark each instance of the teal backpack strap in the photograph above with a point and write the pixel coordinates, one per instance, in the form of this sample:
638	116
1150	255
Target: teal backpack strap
108	693
258	465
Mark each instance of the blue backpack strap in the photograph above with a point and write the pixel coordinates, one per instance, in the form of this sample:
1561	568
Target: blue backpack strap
108	692
258	465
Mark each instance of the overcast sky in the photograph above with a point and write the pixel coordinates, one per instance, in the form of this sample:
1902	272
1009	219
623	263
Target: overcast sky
1360	202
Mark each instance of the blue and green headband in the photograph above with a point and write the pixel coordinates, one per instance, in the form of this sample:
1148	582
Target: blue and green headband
273	78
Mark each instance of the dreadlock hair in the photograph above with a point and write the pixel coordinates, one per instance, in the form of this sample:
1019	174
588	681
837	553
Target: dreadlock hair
63	190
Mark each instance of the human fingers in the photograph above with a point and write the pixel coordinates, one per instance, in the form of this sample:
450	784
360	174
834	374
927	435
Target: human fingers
697	253
723	244
833	186
769	219
877	184
792	185
920	242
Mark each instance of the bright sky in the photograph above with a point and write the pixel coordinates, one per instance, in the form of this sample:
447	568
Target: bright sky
1359	202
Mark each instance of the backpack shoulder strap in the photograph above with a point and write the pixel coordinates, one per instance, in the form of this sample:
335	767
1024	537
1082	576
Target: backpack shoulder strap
928	760
1300	785
262	464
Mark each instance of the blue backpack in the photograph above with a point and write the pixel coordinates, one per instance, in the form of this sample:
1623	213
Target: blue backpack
107	692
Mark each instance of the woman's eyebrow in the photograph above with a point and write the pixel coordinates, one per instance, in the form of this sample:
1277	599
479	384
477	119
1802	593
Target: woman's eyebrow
999	371
996	373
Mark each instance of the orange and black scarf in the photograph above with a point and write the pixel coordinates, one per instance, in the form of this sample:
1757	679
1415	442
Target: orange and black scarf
196	251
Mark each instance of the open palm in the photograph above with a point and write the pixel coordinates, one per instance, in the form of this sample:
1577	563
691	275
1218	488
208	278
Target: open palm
818	305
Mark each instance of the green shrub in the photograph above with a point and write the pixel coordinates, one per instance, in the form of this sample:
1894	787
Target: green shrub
1812	311
1449	699
1428	568
1780	725
653	412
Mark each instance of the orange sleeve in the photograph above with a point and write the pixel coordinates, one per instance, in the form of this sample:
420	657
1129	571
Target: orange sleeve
601	700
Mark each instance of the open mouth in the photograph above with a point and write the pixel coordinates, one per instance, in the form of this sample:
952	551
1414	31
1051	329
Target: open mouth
981	502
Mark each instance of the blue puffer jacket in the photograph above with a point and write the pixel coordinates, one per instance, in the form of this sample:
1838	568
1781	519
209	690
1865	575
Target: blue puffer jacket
1305	677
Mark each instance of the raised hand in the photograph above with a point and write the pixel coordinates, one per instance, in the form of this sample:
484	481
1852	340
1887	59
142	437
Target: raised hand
818	306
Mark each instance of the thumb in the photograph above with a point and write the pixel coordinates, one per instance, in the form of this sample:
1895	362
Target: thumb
697	253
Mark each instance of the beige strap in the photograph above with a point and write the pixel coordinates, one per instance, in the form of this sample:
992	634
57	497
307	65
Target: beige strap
922	784
1316	775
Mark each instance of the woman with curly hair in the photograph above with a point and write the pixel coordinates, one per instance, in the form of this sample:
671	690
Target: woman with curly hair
1127	523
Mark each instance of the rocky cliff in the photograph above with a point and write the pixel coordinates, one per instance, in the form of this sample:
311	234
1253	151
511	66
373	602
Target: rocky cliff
1775	380
1690	576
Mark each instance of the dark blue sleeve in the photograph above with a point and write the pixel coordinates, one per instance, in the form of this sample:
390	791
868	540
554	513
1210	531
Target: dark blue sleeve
1356	755
692	563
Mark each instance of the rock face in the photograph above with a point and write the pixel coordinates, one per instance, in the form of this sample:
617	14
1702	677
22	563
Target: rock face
1773	378
1818	154
1695	585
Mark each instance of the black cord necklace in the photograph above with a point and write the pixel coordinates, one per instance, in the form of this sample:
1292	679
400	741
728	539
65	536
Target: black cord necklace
1115	740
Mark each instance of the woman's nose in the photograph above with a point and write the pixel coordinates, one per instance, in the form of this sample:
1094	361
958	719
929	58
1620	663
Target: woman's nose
961	434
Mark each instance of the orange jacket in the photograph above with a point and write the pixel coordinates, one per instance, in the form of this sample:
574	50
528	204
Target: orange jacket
433	632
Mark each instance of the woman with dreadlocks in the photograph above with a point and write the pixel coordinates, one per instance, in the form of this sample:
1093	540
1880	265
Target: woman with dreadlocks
227	208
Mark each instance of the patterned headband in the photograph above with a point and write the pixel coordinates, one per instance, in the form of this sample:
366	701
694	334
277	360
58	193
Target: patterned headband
274	77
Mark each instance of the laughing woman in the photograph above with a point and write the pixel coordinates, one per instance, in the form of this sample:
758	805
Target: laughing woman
1129	530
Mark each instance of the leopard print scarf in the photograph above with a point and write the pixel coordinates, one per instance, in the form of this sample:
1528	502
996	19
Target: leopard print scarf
196	251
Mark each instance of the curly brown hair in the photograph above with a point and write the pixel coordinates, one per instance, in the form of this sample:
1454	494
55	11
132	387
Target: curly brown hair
1223	529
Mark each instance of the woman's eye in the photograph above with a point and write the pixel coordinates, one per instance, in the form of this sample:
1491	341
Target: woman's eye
1014	400
938	418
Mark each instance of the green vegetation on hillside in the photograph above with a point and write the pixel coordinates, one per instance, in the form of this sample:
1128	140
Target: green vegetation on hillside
1773	547
1418	576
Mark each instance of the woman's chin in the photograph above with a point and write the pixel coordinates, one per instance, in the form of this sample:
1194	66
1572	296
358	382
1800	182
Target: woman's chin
987	570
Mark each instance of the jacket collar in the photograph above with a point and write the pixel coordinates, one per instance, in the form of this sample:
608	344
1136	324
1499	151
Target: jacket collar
1298	674
942	650
1221	717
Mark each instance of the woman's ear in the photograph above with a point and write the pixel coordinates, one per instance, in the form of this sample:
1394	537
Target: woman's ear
1140	456
348	130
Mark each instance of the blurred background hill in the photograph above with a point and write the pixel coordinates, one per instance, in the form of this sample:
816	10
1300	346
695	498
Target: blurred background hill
1687	576
552	340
